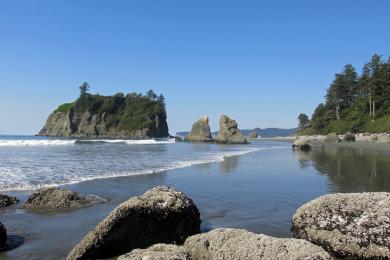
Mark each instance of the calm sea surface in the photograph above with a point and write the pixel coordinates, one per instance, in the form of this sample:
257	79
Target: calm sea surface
257	187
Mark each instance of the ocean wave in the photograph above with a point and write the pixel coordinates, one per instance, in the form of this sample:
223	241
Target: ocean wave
126	141
35	142
59	142
15	180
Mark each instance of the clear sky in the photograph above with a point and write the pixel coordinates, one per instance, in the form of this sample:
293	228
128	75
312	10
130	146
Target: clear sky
261	62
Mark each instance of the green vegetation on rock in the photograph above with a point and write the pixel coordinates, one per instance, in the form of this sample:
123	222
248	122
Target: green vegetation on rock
355	103
132	115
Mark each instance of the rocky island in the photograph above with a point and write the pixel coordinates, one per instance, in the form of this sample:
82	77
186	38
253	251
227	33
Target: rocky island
119	116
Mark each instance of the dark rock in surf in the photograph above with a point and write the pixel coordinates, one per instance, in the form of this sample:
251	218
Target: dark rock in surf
6	200
160	215
55	198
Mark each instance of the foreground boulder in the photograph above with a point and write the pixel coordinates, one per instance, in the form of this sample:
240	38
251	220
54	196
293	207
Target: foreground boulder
55	198
302	143
200	131
159	252
332	138
229	132
348	137
347	225
160	215
228	243
3	236
7	200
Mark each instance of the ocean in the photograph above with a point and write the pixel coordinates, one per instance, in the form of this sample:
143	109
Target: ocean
257	187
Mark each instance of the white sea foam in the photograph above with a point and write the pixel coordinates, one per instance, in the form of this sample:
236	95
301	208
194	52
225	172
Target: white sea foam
35	142
15	179
59	142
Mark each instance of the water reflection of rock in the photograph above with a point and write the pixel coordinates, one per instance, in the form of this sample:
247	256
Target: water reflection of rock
303	158
229	164
351	169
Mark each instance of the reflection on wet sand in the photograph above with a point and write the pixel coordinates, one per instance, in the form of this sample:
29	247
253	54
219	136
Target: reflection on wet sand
229	164
349	169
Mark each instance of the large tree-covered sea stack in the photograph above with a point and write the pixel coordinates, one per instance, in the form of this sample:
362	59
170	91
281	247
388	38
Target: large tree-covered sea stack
119	116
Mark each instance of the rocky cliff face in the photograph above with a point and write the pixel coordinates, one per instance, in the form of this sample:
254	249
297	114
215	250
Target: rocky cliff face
86	124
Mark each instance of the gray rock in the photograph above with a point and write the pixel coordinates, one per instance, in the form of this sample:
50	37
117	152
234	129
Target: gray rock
253	135
7	200
228	243
229	132
302	143
347	225
178	138
332	138
3	235
383	138
160	215
200	131
348	137
55	198
159	252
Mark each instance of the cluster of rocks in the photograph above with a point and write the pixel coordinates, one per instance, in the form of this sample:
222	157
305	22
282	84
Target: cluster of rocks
304	143
228	132
165	224
373	138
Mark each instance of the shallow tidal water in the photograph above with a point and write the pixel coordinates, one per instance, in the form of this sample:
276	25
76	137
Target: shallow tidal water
256	187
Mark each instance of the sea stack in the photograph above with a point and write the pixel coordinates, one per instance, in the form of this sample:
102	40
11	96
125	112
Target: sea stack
253	135
134	116
229	132
200	131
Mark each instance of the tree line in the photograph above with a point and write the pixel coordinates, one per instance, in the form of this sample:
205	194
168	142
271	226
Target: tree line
354	102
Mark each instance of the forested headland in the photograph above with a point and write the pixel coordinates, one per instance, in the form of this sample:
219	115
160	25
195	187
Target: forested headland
354	102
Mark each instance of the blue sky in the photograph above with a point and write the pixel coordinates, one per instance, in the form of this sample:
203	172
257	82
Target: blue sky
261	62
